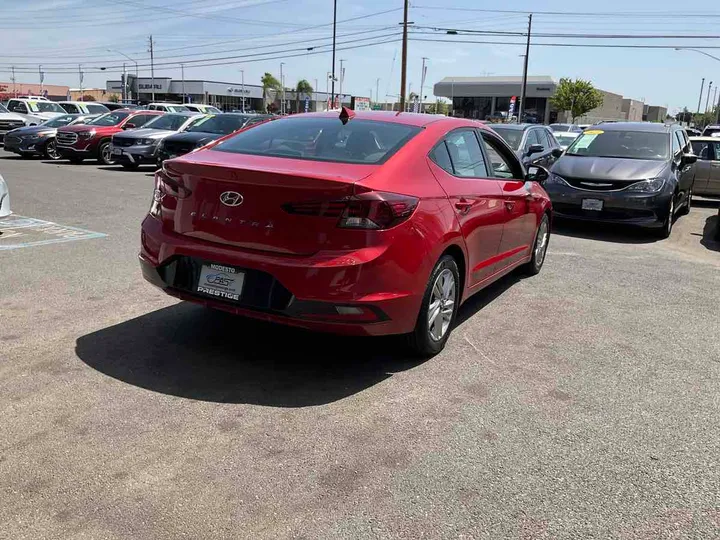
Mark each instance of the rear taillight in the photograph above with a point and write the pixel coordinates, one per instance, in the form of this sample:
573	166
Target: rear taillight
372	210
166	184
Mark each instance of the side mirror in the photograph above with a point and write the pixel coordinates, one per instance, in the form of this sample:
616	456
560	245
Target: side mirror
689	159
538	174
557	152
129	125
535	149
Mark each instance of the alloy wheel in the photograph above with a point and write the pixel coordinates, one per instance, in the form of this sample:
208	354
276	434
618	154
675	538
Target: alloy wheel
51	150
671	214
106	155
442	305
542	242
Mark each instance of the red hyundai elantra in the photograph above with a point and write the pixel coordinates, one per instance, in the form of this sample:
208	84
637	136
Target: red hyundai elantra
359	223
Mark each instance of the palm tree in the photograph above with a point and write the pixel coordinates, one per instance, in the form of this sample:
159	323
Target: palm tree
303	88
269	82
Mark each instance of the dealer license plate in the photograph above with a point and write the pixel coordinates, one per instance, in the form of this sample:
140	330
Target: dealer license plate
117	151
219	281
592	204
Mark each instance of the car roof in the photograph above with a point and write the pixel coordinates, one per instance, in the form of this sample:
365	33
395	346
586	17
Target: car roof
649	127
706	138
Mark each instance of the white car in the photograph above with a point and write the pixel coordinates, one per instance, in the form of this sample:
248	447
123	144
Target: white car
566	138
4	199
83	107
9	121
167	107
35	111
204	109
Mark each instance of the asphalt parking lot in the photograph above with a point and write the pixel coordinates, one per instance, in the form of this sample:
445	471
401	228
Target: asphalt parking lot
579	403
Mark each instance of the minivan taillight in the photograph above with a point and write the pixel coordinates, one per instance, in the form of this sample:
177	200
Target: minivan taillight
370	210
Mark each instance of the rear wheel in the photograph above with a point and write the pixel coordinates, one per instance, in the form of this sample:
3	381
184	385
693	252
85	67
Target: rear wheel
438	310
542	239
688	203
104	155
51	151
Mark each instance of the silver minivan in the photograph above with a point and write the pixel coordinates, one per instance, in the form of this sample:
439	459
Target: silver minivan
707	167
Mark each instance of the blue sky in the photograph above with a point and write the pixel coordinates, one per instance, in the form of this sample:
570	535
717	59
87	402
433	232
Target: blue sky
62	33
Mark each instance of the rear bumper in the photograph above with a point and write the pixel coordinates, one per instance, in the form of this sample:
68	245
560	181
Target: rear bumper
304	292
644	210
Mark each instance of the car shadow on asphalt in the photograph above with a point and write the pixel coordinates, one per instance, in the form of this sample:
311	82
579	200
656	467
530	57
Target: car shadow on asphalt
605	232
141	169
711	233
193	352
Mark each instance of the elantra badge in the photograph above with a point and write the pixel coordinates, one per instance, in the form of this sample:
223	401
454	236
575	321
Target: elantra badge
231	198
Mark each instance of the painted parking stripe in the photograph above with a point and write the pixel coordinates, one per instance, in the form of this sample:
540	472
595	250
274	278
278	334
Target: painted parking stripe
20	232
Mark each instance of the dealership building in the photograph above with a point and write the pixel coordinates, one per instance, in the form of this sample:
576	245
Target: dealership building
224	95
481	97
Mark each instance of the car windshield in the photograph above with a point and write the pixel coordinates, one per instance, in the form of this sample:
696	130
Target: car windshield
59	121
177	108
45	106
170	122
3	109
221	124
565	139
711	131
109	119
621	144
211	109
322	139
512	136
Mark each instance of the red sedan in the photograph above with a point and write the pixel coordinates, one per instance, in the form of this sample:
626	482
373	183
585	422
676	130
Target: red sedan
360	223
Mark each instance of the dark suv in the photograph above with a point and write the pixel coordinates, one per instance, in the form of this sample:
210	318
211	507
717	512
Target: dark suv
533	144
627	172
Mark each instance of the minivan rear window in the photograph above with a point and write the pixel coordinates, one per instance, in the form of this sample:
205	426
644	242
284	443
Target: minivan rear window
322	139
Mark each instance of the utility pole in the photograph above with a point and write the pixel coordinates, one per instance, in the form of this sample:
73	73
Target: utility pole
282	86
327	89
342	78
332	95
702	85
315	97
152	68
12	78
242	88
422	82
707	100
403	69
80	73
42	80
714	97
182	71
123	87
377	90
521	108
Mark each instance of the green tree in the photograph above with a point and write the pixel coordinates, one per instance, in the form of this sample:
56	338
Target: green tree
577	96
113	98
684	116
302	89
269	82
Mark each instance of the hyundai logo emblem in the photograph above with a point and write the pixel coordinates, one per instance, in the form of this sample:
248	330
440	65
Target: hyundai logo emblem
231	198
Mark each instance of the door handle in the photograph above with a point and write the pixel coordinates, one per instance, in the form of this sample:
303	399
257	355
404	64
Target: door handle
463	205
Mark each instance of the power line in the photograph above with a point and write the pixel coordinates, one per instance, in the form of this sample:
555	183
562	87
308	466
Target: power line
644	14
579	45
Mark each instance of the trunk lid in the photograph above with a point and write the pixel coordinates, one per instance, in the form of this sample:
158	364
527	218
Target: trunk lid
257	190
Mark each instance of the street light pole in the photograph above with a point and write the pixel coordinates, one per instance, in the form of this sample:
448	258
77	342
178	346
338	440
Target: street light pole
42	80
707	99
242	91
332	95
403	69
521	108
709	56
182	70
702	86
133	61
282	87
342	77
377	90
422	82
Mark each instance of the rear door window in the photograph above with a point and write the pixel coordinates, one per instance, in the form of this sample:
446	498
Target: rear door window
503	162
70	108
441	157
543	138
532	138
465	154
702	149
322	139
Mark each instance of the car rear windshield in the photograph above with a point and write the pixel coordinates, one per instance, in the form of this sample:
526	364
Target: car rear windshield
109	119
621	144
59	121
512	136
221	124
169	122
560	127
322	139
565	139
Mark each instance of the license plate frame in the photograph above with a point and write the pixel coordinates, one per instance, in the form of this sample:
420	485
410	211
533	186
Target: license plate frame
594	205
220	281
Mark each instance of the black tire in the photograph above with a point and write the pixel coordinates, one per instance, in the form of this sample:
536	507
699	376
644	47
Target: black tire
76	160
420	340
666	230
542	235
688	204
104	157
130	166
50	150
